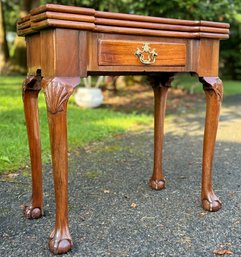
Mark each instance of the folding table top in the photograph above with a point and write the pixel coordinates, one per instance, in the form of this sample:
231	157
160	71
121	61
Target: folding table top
72	17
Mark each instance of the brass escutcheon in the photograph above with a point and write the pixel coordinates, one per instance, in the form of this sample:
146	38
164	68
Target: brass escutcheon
146	49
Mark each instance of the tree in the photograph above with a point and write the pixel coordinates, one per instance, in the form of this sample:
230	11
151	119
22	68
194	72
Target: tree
4	51
19	61
218	10
11	10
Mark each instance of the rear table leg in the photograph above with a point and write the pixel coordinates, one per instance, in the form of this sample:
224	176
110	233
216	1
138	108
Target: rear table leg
160	86
31	88
213	88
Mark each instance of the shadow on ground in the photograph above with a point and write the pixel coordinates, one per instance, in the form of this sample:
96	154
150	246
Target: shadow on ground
107	178
114	213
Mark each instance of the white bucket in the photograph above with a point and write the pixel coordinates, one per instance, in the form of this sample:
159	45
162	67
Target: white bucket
88	97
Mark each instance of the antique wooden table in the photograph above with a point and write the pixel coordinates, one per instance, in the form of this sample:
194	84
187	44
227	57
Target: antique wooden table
65	43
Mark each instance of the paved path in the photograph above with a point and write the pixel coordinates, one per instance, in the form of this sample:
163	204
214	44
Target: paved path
107	178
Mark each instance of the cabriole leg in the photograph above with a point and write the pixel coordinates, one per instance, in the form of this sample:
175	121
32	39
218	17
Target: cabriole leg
57	92
213	88
160	86
31	88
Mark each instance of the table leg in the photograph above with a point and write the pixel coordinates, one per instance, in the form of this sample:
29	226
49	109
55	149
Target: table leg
57	92
213	88
31	88
160	86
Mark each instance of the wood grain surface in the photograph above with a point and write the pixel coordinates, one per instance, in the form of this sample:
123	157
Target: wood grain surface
65	43
123	53
72	17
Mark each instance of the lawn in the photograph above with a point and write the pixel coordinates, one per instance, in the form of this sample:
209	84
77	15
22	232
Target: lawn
84	126
191	83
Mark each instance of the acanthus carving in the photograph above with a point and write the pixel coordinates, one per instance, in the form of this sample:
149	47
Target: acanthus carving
57	93
213	85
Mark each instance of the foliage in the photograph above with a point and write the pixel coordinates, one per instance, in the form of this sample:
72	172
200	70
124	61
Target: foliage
14	147
188	9
231	54
217	10
11	12
91	81
102	5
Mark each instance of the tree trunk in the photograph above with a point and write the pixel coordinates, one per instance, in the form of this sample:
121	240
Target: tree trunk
19	60
4	51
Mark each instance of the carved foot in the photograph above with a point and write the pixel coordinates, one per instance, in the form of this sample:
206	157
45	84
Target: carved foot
211	202
31	212
157	184
60	241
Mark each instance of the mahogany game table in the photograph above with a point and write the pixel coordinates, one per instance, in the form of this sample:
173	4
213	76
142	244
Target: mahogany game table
66	43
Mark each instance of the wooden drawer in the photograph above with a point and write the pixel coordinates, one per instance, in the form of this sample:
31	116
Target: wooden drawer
124	53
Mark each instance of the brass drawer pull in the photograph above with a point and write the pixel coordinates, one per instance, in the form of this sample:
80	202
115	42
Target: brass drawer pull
146	49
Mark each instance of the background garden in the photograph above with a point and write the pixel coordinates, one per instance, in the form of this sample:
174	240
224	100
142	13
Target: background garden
114	116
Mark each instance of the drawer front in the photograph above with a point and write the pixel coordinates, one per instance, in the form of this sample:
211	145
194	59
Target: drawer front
125	53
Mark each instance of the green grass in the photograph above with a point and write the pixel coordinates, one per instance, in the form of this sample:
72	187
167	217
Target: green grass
84	126
192	84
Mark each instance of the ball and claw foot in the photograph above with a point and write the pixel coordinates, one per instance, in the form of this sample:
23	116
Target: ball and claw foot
157	184
32	213
60	244
211	203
